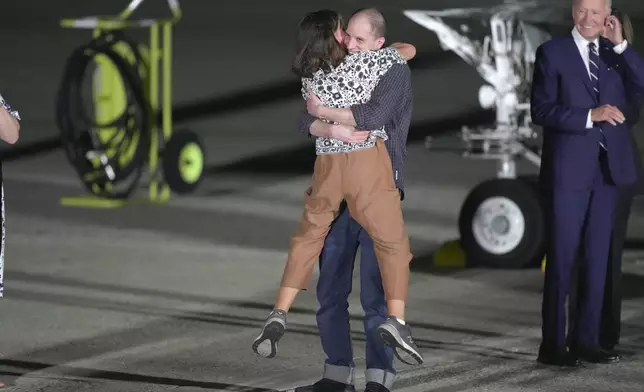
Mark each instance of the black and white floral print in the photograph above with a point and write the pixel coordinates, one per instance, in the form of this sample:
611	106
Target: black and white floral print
351	83
16	115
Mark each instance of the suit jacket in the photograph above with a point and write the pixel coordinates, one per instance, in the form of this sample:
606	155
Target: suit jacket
561	97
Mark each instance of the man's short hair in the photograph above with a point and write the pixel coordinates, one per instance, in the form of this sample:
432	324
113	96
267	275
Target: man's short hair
375	18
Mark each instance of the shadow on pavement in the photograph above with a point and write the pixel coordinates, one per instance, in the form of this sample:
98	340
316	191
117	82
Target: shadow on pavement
632	286
71	300
21	151
29	366
210	317
299	160
171	323
634	244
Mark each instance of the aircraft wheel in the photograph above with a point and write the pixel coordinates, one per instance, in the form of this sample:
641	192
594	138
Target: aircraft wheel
502	224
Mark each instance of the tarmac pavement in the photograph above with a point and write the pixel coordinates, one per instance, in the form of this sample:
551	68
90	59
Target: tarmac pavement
160	298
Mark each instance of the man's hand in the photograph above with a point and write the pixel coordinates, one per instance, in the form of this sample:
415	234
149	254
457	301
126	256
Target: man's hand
407	51
313	104
613	30
607	113
348	134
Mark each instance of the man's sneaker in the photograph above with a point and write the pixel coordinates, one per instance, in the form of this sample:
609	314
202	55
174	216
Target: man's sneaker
375	387
266	343
398	337
327	385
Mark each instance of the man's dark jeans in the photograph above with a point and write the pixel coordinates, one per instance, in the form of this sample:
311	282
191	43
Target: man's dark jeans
334	286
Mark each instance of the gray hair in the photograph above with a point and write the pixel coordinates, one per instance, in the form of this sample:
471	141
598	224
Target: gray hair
609	4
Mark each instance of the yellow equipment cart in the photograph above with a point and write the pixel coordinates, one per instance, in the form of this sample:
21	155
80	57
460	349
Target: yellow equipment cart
114	113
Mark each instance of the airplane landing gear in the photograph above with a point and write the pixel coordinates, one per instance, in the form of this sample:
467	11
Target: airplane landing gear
501	224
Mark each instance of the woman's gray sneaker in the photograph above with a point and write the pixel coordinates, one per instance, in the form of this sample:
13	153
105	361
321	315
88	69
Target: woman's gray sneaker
398	337
266	343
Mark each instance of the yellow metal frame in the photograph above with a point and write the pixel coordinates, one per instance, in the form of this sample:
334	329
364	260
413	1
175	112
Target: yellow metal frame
159	51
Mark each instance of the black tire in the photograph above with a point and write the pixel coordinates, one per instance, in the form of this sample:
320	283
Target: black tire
175	155
524	252
79	128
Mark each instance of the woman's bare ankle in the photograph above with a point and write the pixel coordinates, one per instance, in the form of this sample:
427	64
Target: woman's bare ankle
396	308
285	298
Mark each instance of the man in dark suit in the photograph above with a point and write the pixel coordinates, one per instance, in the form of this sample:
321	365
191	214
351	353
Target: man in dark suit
580	91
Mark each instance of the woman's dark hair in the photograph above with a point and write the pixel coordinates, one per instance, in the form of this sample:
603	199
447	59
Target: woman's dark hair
317	47
627	25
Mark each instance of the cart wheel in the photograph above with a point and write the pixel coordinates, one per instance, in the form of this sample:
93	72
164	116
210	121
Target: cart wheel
183	162
502	224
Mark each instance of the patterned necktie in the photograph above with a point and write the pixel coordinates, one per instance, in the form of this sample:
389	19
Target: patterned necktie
593	65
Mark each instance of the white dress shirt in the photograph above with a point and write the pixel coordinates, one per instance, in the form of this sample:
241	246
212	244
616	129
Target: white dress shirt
582	44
